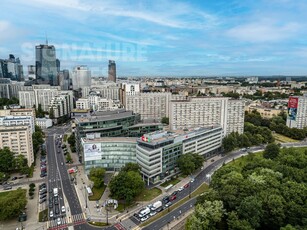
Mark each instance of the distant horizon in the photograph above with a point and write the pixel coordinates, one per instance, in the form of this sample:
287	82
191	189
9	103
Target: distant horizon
163	37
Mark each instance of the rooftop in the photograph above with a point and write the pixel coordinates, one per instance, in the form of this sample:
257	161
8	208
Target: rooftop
105	116
162	136
108	139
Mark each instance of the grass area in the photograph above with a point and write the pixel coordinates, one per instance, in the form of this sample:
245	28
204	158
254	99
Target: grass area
97	193
100	224
148	194
31	171
121	206
281	139
43	215
201	189
172	181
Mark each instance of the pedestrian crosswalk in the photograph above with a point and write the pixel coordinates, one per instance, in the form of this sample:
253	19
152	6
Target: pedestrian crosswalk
64	221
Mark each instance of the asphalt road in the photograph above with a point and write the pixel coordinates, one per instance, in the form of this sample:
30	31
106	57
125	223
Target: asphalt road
58	178
204	177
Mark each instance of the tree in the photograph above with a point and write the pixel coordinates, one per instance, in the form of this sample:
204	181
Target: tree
206	215
12	203
186	164
198	160
271	151
97	176
131	167
6	160
165	120
40	112
235	223
229	143
126	185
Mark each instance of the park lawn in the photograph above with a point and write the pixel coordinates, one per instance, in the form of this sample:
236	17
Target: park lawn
97	193
4	194
172	181
282	139
148	194
201	189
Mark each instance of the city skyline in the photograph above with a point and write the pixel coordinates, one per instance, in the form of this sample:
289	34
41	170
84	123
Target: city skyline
161	38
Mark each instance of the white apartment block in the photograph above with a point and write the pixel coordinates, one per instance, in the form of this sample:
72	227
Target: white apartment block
82	103
19	140
297	117
18	121
207	111
61	105
149	105
26	99
43	123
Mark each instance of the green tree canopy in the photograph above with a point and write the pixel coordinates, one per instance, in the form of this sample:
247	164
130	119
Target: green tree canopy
7	160
189	162
165	120
12	203
97	176
271	151
126	185
131	167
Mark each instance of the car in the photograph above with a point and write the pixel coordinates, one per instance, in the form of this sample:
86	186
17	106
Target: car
43	196
43	174
180	189
20	177
14	178
159	209
166	199
43	189
43	185
58	221
42	200
63	209
50	204
51	214
186	185
7	187
174	193
57	210
153	213
168	204
173	197
56	200
144	218
192	180
62	163
58	151
43	192
212	160
50	191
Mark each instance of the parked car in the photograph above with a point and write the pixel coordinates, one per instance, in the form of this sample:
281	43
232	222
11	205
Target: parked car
57	210
192	180
43	174
14	178
51	214
63	210
173	197
168	204
174	193
56	200
59	221
7	187
43	185
186	185
43	192
50	204
42	200
180	189
144	218
43	196
166	199
153	213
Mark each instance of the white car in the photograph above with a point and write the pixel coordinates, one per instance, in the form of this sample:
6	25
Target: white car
51	214
58	221
180	189
153	213
63	209
192	180
144	218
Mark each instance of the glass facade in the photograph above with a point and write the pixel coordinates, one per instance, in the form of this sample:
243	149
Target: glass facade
170	155
114	155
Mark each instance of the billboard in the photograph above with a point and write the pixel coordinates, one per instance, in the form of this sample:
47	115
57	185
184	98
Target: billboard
92	151
292	108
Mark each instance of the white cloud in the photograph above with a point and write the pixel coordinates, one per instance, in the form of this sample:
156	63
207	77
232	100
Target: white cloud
264	32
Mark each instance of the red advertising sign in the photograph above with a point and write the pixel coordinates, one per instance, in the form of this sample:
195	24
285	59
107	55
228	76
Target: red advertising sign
293	102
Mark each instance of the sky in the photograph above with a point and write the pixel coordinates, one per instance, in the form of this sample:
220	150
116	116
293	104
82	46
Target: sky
162	37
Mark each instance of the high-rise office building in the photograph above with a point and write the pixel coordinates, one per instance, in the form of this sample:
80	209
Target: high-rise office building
81	77
58	65
64	81
46	66
112	71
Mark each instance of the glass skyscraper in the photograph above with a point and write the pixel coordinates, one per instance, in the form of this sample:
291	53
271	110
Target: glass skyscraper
46	66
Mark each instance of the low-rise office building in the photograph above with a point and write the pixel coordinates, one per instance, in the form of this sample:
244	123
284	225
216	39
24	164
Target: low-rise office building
157	152
111	153
43	123
18	121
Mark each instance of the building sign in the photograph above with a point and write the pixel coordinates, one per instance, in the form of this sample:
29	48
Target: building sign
92	151
292	108
145	139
